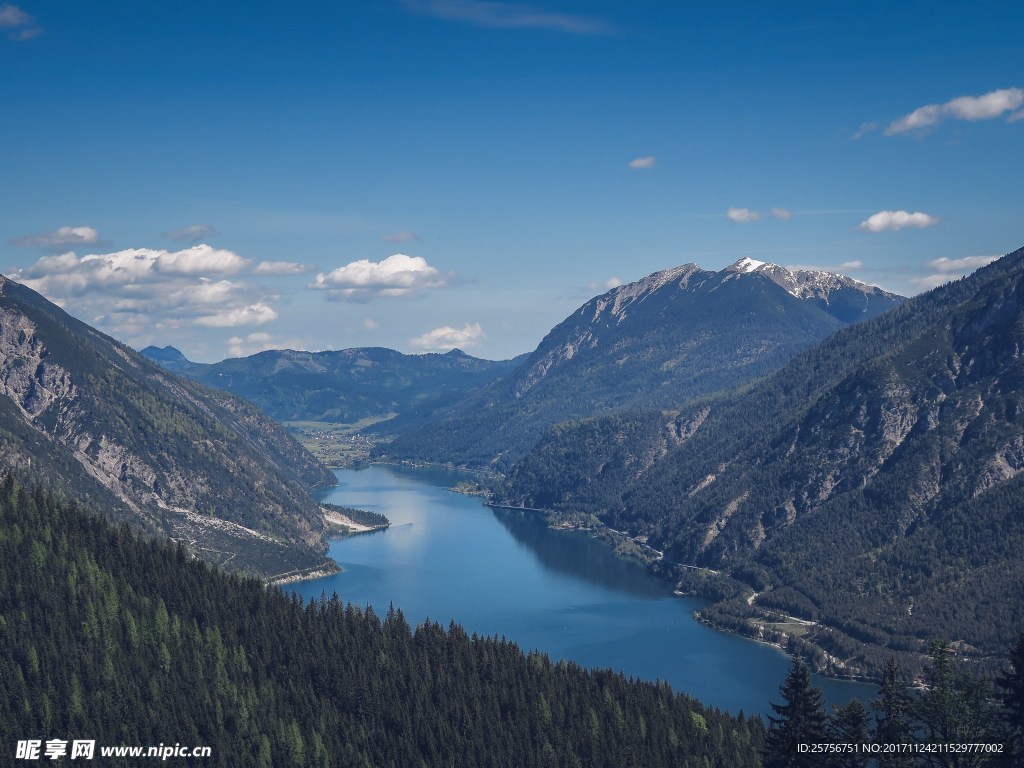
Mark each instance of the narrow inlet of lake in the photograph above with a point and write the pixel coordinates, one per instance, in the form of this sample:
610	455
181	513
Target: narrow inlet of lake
503	572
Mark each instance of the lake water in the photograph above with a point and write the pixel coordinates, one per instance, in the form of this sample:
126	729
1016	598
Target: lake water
447	556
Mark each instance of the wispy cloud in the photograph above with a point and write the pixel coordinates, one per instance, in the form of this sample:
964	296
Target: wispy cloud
501	15
642	163
60	238
280	268
865	128
23	25
612	282
260	341
943	270
447	338
13	16
985	107
746	215
891	221
252	314
192	233
742	215
395	276
399	237
961	266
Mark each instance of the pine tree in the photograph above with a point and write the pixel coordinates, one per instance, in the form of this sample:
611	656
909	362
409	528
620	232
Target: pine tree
956	708
801	720
849	725
892	718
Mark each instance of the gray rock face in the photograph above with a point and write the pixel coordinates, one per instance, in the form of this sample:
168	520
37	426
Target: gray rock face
674	336
91	418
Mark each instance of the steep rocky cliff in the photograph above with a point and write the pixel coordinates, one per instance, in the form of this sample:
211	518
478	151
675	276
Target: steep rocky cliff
97	422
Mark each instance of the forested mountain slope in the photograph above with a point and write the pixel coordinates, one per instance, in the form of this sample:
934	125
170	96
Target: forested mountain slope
872	485
345	386
98	422
108	637
674	336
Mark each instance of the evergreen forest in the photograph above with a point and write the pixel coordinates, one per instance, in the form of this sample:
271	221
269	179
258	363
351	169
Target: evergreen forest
107	636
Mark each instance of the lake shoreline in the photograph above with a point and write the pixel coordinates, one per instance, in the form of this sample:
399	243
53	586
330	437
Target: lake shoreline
512	572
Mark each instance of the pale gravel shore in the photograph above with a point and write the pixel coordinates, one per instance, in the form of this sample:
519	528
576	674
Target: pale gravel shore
334	518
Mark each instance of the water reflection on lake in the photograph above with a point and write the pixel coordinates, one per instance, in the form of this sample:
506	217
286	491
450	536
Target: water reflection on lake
503	572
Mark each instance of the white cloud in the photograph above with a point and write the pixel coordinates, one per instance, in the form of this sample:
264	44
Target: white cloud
137	290
62	236
200	259
260	341
447	338
280	268
254	314
927	282
781	213
943	270
399	237
855	264
641	163
370	324
865	128
895	220
742	215
397	275
985	107
962	266
922	117
1016	116
612	282
501	15
192	233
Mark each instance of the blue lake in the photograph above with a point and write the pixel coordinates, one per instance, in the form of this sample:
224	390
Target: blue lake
503	572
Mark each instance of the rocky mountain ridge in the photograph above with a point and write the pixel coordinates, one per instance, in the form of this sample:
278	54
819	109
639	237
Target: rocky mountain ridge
872	486
676	335
99	423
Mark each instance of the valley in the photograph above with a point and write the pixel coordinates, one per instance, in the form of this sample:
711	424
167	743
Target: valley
512	384
770	478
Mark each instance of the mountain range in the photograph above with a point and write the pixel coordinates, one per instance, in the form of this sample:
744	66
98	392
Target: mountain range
870	490
98	423
673	337
346	386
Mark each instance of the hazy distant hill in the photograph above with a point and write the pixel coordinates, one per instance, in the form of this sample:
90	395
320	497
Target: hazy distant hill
674	336
97	422
873	484
343	386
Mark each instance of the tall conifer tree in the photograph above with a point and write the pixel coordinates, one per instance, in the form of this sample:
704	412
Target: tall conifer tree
801	720
893	724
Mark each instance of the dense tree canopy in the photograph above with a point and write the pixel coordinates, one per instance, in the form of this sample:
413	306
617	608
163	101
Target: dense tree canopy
105	636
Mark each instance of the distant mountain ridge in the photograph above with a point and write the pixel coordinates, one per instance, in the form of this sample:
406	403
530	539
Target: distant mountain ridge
676	335
873	486
344	386
98	423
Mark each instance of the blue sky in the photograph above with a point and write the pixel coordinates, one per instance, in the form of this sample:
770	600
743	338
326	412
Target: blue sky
227	177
